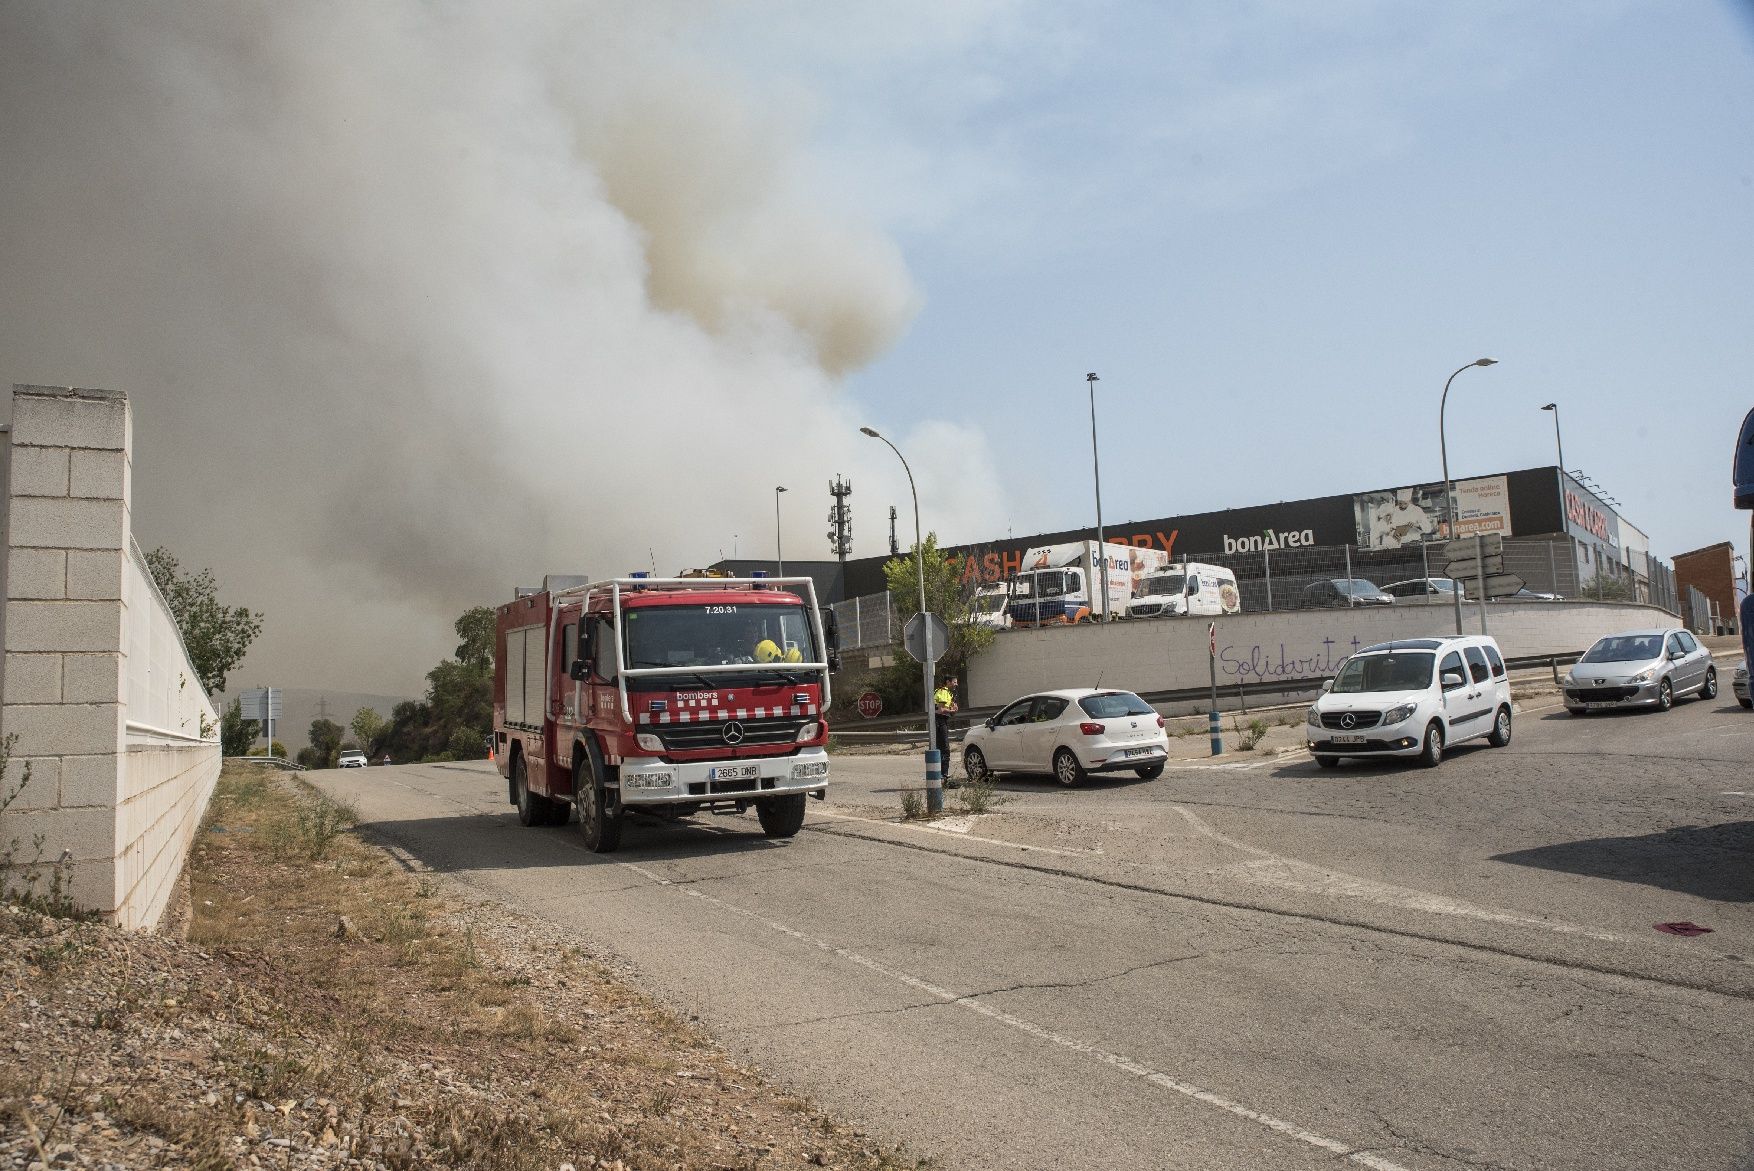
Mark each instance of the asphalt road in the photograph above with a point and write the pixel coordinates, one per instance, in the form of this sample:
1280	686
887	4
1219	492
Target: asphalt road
1258	964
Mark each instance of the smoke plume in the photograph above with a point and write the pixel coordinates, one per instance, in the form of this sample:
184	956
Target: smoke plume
417	300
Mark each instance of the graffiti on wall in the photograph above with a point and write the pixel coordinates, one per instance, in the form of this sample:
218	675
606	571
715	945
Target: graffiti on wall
1261	662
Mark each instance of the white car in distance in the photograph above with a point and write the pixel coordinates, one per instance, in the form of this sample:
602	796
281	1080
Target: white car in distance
351	758
1071	734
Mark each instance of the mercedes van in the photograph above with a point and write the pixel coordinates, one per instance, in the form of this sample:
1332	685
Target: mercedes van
1414	697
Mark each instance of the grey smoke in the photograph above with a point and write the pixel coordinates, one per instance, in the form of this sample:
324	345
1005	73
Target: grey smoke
417	300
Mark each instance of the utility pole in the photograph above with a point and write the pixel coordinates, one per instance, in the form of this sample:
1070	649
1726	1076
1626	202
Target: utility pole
894	545
1096	467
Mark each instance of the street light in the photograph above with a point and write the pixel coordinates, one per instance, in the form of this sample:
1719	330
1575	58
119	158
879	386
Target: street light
934	777
779	549
1449	489
1554	407
1096	468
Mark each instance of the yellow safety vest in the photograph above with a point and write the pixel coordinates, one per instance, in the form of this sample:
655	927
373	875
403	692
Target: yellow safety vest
942	697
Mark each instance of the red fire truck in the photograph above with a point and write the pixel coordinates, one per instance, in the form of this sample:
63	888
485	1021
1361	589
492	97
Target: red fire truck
662	696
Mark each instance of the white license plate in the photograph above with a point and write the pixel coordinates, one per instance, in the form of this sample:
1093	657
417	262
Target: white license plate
1342	738
1140	751
1596	707
734	772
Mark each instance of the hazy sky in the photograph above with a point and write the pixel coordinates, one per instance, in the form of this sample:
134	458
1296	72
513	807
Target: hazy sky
416	301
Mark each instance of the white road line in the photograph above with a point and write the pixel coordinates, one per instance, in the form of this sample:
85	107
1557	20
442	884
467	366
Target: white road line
1112	1060
959	835
1299	875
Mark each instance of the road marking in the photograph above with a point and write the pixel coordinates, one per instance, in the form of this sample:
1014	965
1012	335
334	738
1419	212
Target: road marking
1278	870
959	834
1030	1028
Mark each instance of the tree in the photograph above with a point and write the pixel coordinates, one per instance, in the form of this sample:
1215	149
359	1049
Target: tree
236	734
951	600
456	718
1607	587
366	725
475	628
325	743
947	596
216	636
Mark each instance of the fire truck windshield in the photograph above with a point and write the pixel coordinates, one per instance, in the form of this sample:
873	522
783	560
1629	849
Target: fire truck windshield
714	635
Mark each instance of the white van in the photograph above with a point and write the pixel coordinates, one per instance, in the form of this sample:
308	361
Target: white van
1412	697
1193	587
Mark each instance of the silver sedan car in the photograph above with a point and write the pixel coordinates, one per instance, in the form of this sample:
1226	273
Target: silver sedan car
1640	668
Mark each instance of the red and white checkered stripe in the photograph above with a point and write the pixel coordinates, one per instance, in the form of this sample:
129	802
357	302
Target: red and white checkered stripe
717	714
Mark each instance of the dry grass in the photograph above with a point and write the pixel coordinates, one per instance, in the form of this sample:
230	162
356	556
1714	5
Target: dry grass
333	999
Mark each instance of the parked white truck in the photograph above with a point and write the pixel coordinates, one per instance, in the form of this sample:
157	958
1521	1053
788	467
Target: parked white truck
1061	584
1190	588
991	606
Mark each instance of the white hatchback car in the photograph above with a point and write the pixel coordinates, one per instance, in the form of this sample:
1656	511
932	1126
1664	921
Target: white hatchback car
1071	734
1412	697
351	758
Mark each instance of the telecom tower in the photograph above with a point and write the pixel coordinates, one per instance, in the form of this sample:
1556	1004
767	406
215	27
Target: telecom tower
840	533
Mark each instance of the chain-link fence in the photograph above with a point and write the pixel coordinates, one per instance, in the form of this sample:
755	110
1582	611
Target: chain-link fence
867	621
1696	611
1339	576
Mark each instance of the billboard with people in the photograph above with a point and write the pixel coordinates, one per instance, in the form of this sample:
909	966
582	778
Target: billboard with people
1408	516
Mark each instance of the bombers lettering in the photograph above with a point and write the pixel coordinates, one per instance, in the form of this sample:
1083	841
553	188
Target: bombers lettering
1270	540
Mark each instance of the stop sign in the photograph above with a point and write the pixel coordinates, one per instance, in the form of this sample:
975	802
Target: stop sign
870	705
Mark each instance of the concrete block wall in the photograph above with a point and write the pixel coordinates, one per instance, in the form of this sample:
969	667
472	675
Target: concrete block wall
120	802
1171	654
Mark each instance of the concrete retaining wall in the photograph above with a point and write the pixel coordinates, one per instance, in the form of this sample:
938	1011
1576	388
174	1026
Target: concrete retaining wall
122	745
1171	654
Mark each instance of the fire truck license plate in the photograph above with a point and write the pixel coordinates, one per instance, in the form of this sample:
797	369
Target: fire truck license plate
734	772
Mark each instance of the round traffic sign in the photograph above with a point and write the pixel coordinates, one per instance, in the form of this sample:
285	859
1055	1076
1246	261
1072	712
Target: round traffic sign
870	705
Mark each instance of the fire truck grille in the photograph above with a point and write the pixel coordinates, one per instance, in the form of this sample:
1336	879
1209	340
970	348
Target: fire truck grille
687	737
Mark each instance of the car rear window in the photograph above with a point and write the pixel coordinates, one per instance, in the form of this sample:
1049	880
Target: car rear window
1112	705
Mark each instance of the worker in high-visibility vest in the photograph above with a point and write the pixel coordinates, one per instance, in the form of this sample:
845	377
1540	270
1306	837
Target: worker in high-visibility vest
943	703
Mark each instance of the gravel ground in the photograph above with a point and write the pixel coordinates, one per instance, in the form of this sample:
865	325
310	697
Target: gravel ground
329	1009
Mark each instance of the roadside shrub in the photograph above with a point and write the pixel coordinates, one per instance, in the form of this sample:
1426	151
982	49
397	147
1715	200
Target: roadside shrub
1248	737
913	805
980	796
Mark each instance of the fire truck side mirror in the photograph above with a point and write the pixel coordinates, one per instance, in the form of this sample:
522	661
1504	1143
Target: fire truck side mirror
580	668
831	630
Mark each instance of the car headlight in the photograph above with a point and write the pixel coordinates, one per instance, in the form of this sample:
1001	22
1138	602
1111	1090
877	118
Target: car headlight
1643	677
808	731
1396	714
649	742
1315	718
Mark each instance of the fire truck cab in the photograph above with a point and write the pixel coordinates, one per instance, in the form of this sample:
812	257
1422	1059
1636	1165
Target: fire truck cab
665	697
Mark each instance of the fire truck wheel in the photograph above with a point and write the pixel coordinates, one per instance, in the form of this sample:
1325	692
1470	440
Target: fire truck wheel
781	817
600	828
532	810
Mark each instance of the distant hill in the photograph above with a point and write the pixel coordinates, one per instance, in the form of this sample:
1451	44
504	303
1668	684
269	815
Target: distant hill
302	705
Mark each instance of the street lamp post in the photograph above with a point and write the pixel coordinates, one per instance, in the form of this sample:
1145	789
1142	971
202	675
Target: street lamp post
934	773
1558	441
779	548
1449	489
1096	469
